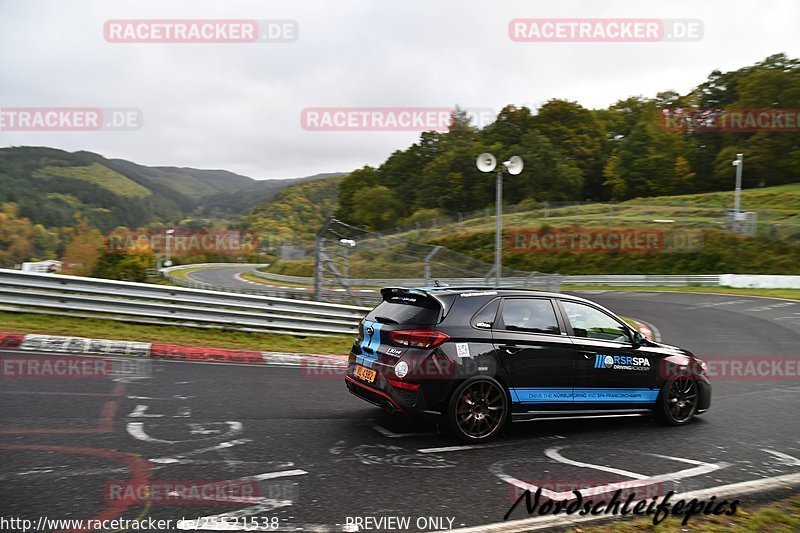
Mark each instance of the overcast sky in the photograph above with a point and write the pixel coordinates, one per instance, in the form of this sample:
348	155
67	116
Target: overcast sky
238	106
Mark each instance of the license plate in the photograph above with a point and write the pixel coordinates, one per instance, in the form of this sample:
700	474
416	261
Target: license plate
365	373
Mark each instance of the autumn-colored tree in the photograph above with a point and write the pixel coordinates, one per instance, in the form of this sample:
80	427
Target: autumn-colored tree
84	249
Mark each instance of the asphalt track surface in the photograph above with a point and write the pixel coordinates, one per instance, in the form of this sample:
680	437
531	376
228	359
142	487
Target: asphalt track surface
318	455
225	277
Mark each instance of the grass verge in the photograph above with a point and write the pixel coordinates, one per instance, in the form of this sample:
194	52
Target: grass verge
789	294
111	329
780	516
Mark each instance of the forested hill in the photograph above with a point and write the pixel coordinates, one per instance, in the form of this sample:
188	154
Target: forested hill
636	147
55	188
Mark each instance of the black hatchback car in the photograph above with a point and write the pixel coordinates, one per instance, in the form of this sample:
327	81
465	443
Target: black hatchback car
478	357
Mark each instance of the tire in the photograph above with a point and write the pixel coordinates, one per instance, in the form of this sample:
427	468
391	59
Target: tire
478	410
677	403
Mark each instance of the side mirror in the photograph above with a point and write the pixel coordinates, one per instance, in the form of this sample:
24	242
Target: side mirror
637	339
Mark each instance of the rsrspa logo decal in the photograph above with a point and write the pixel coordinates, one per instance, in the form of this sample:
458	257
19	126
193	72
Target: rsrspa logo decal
621	362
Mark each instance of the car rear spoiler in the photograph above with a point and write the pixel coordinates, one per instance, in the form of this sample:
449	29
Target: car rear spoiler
390	292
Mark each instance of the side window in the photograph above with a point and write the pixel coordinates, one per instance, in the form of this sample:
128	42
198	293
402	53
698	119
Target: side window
485	317
533	315
592	323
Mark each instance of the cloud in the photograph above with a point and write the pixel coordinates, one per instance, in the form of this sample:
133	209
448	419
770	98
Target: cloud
238	106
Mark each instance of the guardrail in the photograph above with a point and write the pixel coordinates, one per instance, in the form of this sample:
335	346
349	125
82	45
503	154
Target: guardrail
644	280
165	305
548	282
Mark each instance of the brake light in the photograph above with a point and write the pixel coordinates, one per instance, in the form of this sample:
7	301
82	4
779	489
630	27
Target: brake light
418	338
403	385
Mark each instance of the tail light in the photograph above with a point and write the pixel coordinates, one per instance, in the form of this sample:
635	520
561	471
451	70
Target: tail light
418	338
403	385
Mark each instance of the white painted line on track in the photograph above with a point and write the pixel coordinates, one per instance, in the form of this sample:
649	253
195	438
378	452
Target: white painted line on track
638	480
184	457
136	430
785	457
680	459
548	522
223	522
273	475
465	447
445	449
553	454
140	411
174	397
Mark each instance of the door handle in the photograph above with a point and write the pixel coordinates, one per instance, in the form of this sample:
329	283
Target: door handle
510	349
589	355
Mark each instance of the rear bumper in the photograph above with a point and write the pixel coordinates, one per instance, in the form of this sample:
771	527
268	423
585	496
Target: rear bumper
393	399
374	396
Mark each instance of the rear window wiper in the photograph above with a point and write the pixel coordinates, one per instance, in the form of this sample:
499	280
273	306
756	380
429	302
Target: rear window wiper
386	320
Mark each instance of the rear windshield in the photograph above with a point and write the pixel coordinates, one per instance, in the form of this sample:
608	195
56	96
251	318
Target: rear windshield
421	311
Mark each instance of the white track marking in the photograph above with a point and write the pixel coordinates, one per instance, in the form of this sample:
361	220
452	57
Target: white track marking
680	459
445	449
218	522
465	447
273	475
553	454
705	305
568	495
185	456
174	397
551	522
198	429
785	457
136	430
625	484
637	480
141	412
59	473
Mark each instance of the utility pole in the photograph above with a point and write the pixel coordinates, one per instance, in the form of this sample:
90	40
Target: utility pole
498	229
737	193
486	163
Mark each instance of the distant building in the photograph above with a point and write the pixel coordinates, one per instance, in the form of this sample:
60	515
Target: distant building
51	265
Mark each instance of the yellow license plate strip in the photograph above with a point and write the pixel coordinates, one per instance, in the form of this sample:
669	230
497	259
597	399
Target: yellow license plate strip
365	373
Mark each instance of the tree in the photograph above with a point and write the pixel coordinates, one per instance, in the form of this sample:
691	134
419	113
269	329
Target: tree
547	175
614	180
373	207
508	128
577	134
84	250
353	183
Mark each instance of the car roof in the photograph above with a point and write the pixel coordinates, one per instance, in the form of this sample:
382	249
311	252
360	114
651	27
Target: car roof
500	291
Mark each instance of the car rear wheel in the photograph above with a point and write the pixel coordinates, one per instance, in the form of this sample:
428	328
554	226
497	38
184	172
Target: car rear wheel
678	400
478	410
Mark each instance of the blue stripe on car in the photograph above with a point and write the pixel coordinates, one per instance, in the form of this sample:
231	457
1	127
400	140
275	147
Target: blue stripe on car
370	344
553	395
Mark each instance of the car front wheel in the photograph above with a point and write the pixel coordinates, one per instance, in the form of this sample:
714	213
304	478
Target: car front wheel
678	400
478	410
